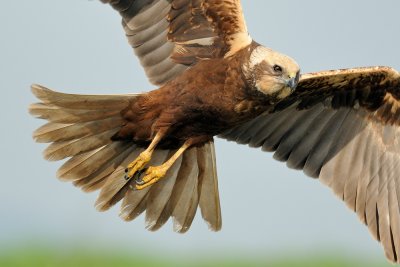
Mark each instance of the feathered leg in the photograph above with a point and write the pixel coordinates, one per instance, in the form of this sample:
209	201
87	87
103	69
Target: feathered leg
137	166
154	174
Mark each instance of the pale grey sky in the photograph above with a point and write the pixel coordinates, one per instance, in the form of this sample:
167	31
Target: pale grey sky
78	46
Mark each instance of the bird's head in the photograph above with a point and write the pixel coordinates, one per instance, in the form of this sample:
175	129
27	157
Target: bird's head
272	73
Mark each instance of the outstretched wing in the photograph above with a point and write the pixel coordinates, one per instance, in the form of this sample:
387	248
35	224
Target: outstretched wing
168	36
343	128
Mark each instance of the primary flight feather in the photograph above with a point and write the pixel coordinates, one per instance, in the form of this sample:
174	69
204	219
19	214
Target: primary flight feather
154	151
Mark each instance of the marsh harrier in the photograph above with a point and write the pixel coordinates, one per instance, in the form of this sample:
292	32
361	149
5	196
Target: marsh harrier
154	151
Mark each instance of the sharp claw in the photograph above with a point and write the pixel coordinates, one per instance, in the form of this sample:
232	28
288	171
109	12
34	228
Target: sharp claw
138	178
150	177
139	182
135	168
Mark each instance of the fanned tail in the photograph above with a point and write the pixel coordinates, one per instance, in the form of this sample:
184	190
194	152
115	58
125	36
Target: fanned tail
80	128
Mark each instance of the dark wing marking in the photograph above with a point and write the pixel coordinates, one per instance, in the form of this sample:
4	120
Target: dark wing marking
343	128
168	36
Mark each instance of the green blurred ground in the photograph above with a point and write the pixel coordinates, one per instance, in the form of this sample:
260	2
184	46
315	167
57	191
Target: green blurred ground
52	258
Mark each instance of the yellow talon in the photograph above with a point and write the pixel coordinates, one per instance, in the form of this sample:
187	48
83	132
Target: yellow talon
152	175
138	164
141	161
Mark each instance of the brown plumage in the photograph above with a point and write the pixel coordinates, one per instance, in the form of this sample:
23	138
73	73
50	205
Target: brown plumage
219	98
155	152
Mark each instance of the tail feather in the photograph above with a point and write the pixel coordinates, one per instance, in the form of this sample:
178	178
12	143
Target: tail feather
132	205
53	113
65	149
80	128
94	180
56	132
209	196
160	194
193	203
84	165
164	217
84	102
95	185
186	185
115	183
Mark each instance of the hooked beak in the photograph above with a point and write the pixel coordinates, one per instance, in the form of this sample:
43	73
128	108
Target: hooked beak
292	82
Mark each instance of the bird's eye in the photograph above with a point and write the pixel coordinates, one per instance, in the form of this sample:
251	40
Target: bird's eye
277	68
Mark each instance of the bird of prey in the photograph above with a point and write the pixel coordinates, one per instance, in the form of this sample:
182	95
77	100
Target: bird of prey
154	151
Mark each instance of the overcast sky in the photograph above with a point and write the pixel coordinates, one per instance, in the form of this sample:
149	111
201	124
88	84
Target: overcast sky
78	46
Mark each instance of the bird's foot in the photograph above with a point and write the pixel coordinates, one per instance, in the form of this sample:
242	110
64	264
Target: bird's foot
136	168
150	176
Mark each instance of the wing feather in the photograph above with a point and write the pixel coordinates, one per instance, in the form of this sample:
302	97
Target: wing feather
264	132
343	128
301	125
176	34
364	178
322	146
394	217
